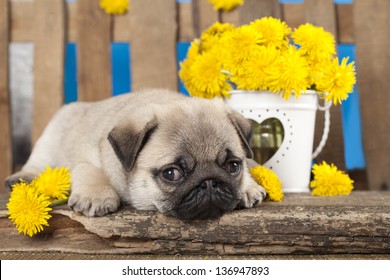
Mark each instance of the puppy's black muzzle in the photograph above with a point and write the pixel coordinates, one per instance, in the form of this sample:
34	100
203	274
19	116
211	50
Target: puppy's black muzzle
210	199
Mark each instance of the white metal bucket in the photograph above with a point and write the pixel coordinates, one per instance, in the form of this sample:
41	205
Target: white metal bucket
292	161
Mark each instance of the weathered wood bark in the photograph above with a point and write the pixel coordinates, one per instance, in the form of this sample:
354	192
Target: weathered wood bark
301	224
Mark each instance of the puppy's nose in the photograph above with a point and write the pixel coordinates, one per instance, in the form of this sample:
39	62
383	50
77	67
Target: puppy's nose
208	184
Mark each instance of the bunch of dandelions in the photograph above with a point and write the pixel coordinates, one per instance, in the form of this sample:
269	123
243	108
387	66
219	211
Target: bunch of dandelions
266	55
30	203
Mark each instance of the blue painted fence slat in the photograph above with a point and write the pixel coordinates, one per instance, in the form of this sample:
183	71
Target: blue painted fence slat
353	145
121	80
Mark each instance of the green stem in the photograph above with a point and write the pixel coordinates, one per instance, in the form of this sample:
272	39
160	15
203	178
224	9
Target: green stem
58	202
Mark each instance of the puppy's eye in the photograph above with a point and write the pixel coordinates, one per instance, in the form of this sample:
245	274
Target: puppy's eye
172	174
233	167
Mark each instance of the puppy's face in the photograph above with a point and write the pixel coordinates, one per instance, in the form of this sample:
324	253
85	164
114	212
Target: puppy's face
191	161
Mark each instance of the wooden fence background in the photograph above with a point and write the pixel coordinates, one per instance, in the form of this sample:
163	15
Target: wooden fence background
153	27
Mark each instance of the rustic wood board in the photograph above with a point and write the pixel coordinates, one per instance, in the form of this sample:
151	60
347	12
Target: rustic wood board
204	15
186	22
22	21
301	224
322	13
293	14
153	44
345	27
49	56
5	106
373	68
255	9
93	52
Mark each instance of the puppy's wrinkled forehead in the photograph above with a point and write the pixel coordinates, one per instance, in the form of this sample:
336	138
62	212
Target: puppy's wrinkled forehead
202	130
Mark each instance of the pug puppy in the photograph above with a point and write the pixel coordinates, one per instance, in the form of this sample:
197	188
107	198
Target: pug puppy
155	150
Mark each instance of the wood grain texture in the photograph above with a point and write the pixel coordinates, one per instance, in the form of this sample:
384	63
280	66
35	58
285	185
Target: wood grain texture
293	14
255	9
22	21
121	27
93	51
345	27
49	53
204	15
5	105
153	44
301	224
199	12
322	13
373	68
186	21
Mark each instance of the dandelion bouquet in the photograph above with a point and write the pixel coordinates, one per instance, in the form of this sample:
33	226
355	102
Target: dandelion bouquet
266	55
30	203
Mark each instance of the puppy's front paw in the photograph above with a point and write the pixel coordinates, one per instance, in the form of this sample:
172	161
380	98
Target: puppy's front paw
17	177
252	196
93	205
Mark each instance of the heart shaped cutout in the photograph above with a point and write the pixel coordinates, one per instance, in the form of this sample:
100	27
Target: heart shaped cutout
268	136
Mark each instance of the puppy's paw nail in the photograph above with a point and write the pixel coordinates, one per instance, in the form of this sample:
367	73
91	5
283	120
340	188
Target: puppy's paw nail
253	197
95	206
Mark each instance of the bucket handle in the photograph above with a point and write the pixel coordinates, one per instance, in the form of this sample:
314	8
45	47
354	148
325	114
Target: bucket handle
326	109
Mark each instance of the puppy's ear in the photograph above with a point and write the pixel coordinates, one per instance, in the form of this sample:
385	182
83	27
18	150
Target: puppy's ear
128	141
244	130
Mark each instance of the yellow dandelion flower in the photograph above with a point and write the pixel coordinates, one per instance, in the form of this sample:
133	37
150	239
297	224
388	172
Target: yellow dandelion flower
289	73
269	180
226	5
211	36
28	209
254	70
54	183
275	32
337	80
239	45
329	181
314	42
204	77
115	7
185	66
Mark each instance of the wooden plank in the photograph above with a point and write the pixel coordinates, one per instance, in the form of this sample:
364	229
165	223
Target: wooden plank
93	51
193	18
121	27
204	15
186	21
322	13
301	224
254	9
49	52
22	21
232	17
71	21
373	66
345	28
153	44
293	14
5	104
